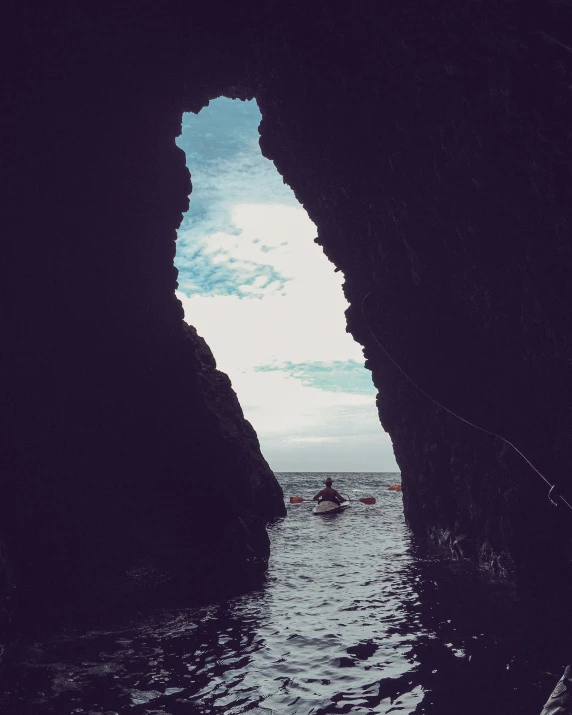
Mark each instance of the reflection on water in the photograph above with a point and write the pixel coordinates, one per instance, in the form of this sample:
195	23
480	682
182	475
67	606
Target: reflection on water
354	618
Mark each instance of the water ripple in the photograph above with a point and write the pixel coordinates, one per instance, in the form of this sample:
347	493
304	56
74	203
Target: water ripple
353	618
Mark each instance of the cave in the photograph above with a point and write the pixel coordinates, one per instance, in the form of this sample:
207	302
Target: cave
430	144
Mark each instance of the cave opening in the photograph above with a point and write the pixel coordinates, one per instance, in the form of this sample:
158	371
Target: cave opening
270	305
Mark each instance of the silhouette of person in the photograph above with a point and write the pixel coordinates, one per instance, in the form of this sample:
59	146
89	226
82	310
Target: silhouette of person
329	494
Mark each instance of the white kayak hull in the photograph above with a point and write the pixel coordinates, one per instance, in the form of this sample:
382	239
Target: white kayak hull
330	507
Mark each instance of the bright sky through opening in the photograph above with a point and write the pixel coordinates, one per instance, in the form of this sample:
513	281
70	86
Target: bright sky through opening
269	304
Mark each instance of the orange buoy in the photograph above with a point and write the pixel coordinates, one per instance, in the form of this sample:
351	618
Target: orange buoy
395	488
296	500
368	500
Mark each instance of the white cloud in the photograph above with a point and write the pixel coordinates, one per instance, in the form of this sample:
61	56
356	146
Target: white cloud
277	403
310	440
269	304
301	320
274	322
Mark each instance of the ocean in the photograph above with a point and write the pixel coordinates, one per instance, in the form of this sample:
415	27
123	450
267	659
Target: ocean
356	616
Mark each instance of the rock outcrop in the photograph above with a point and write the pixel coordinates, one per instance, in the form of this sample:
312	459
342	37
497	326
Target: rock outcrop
124	449
430	145
429	142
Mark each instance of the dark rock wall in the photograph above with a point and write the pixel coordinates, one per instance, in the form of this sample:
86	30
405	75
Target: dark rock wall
451	202
123	447
429	141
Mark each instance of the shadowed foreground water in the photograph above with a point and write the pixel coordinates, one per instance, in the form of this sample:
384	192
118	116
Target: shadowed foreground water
354	618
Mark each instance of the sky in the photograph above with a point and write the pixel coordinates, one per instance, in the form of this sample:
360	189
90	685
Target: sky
269	304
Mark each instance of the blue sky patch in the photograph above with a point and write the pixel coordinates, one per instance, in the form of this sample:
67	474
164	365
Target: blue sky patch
335	376
227	168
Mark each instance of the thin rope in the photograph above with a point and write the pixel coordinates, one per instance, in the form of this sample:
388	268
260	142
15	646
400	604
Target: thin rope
462	419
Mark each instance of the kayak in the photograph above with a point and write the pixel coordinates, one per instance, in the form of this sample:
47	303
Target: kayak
330	507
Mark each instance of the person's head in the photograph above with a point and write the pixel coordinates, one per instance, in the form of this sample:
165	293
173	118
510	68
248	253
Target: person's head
328	482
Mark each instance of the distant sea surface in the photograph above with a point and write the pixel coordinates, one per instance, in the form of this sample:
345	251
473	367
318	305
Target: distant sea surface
355	617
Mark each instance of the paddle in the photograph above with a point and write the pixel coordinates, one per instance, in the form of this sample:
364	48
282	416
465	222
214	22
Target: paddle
364	500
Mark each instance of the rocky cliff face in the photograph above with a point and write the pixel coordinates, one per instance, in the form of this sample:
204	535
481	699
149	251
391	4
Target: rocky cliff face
430	143
124	449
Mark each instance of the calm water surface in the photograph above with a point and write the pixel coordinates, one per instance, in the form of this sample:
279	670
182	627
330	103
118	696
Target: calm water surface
354	618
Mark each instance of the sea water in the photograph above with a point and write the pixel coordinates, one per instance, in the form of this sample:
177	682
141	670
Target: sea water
356	616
